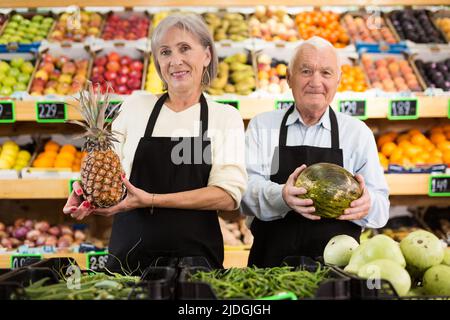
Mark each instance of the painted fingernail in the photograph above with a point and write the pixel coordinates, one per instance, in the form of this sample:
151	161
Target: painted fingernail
73	210
86	204
79	192
123	175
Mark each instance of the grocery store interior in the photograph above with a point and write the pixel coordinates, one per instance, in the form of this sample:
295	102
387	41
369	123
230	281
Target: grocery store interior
395	57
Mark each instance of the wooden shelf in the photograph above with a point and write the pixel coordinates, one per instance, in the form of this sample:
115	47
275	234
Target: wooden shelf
399	185
218	3
232	258
377	108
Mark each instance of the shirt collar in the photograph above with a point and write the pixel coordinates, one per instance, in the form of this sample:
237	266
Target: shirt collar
324	120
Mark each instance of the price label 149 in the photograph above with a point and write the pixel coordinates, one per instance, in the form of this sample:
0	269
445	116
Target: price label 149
51	111
439	186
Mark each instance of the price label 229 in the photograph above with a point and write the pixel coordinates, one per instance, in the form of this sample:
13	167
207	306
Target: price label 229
51	111
354	108
439	186
284	104
7	112
22	260
403	109
97	261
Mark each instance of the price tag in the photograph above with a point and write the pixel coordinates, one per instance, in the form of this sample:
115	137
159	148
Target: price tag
71	181
112	109
439	186
284	104
22	260
355	108
403	109
7	112
51	111
97	261
234	103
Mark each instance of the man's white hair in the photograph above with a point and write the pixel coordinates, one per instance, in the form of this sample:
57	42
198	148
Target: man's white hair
318	43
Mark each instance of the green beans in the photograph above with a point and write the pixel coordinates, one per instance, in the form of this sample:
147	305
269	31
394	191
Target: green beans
253	283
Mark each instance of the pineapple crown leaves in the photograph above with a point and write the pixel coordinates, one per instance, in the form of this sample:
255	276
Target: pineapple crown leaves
92	105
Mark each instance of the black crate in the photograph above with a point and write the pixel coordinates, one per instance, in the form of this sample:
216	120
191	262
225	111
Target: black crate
157	283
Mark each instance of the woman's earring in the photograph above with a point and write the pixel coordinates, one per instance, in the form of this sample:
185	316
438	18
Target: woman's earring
206	79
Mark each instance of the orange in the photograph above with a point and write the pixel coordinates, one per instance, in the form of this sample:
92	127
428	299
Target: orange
51	146
436	130
435	160
68	148
444	146
413	151
396	156
407	163
446	157
61	163
383	160
404	144
437	137
414	131
388	148
65	156
403	137
43	163
418	139
418	160
383	139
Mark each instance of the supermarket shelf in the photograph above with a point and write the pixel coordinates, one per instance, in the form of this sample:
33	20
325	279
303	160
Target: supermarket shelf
220	3
377	108
399	185
232	258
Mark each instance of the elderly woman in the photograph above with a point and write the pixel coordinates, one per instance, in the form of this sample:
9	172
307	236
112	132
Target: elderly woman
182	153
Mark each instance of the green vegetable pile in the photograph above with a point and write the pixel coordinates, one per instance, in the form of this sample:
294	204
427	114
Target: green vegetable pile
254	283
98	286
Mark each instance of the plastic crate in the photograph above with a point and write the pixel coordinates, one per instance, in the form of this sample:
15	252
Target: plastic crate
157	283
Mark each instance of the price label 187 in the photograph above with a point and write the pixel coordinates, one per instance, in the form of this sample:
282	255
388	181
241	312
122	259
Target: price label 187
111	110
354	108
97	261
439	185
7	112
284	104
234	103
403	109
51	111
22	260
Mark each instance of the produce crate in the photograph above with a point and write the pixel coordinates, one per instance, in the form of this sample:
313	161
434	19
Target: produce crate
419	57
441	14
158	283
438	221
336	287
31	57
20	47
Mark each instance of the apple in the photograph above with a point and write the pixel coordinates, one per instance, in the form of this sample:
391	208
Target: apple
125	60
100	61
122	80
110	75
134	83
69	68
47	67
124	70
113	56
136	65
113	65
135	74
98	70
122	89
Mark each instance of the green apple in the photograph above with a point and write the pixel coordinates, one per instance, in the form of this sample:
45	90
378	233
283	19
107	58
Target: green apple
9	31
4	67
12	24
47	21
17	62
17	18
9	81
23	78
37	18
13	72
20	87
6	91
27	67
2	76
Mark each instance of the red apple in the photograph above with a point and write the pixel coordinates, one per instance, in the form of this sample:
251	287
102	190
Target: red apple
113	66
135	74
134	84
124	70
136	65
113	56
100	61
122	80
125	60
122	89
98	69
110	75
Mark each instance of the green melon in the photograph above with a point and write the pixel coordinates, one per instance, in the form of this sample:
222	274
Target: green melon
330	187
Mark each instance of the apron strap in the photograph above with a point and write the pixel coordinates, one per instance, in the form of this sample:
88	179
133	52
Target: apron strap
334	129
157	109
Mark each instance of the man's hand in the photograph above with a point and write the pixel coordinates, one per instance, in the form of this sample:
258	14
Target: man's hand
136	198
290	192
359	208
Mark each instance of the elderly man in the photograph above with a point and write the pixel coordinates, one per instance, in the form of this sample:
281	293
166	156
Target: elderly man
280	144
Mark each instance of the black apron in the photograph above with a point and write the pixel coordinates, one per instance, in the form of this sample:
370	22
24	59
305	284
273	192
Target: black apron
139	236
295	235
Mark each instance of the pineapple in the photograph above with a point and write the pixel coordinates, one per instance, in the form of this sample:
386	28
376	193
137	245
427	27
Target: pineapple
101	169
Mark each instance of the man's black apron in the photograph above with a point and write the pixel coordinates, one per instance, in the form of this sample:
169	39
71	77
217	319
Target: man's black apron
295	235
138	236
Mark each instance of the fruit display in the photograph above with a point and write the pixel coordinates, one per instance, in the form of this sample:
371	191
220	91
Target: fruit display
330	187
153	82
235	75
76	26
367	28
123	72
324	24
56	156
59	74
254	283
26	30
390	73
443	23
232	26
132	26
15	75
272	74
12	157
235	233
435	74
101	171
339	250
403	264
413	148
352	79
38	233
416	26
273	23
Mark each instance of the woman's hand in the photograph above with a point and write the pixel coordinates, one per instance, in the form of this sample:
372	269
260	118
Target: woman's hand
136	198
290	194
360	207
75	206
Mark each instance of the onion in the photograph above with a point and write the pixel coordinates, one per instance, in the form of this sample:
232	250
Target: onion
66	230
19	223
6	243
20	233
54	231
51	241
29	224
40	241
10	229
42	226
79	236
33	235
2	226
